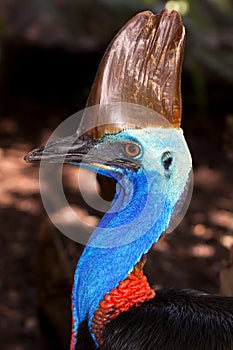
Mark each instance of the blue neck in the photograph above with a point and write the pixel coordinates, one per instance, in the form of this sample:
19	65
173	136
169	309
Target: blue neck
113	249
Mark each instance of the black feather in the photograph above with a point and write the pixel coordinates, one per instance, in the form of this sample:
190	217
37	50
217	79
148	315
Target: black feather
172	320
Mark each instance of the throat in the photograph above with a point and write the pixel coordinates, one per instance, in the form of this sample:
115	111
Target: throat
130	292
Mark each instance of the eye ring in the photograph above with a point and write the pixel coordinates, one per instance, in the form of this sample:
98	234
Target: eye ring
132	150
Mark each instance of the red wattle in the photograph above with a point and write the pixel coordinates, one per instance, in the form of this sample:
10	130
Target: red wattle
132	291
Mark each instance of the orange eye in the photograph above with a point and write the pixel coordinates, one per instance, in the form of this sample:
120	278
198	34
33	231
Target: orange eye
132	150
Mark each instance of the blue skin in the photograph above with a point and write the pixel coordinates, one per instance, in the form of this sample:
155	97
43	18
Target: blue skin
140	213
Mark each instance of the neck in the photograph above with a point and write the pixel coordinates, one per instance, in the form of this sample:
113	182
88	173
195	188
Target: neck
115	249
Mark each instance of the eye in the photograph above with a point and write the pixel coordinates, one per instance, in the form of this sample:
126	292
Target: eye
132	150
167	160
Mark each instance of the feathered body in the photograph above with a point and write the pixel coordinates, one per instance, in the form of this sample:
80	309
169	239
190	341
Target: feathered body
172	320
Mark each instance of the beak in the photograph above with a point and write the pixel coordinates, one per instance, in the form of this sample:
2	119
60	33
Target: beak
82	151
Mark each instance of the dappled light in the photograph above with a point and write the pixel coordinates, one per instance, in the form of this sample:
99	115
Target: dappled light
182	6
202	251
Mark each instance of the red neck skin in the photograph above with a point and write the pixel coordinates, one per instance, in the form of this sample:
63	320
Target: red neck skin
132	291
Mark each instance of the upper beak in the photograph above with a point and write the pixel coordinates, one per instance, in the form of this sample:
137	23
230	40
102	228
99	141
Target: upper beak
70	149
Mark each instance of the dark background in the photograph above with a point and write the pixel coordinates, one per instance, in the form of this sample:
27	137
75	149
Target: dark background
49	54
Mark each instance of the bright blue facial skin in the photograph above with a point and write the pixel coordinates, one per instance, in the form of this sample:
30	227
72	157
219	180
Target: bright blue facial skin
140	213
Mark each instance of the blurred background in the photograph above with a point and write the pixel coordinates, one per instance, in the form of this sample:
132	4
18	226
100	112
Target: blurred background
49	54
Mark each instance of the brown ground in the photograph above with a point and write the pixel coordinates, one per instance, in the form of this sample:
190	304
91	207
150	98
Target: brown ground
191	257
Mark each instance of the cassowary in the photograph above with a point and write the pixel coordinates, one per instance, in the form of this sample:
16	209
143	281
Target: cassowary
135	138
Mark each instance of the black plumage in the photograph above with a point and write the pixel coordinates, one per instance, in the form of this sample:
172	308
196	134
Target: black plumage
173	320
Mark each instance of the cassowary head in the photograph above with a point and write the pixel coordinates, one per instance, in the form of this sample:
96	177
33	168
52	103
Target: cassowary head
130	131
